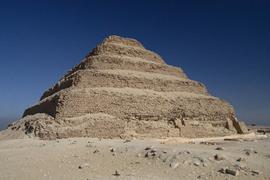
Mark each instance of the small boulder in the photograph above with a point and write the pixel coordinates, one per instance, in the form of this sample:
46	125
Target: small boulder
219	148
112	150
148	148
174	164
241	159
232	172
84	165
227	170
219	157
255	172
196	163
250	151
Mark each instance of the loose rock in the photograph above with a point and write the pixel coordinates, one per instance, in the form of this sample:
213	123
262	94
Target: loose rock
174	164
83	166
229	171
219	157
232	172
219	148
148	148
255	172
241	159
197	163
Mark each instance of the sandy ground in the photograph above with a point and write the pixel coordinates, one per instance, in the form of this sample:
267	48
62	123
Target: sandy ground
91	158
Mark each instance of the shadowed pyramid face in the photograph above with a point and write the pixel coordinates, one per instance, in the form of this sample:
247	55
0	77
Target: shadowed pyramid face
122	89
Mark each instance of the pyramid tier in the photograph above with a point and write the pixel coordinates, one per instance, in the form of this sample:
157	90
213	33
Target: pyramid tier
131	63
126	63
126	78
135	104
111	48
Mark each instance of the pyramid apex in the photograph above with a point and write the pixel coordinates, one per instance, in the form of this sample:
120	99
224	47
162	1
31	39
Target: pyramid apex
122	40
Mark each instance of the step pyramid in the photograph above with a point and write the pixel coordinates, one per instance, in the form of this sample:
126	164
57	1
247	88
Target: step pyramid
121	89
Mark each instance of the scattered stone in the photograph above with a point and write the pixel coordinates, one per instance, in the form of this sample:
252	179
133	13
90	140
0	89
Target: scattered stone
150	154
208	143
164	157
96	151
243	167
153	151
241	159
232	172
226	170
200	159
196	163
219	157
250	151
136	162
174	164
116	173
205	164
84	165
219	148
185	152
112	150
255	172
148	148
185	162
147	154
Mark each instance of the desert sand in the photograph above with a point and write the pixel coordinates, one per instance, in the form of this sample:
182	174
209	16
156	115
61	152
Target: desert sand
238	157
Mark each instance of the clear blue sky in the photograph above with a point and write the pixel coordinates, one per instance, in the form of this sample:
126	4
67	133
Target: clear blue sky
225	44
